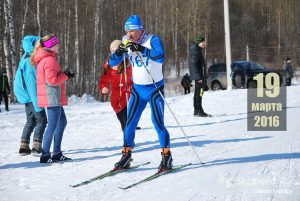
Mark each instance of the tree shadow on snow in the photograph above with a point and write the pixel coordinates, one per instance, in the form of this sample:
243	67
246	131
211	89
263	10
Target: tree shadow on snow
247	159
31	164
217	122
37	164
118	148
202	124
154	145
196	143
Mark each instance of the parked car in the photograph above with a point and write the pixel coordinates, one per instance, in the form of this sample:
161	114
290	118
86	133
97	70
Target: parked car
216	77
242	73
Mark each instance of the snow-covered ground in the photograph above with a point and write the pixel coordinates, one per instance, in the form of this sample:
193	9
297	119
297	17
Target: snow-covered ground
240	164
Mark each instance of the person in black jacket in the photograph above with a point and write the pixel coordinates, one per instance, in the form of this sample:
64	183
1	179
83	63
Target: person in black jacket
4	88
197	67
186	83
289	71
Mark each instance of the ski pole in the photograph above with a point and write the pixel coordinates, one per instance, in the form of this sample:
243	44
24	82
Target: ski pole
124	63
170	110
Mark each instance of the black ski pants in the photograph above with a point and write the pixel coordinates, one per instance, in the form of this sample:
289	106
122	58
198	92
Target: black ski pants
198	96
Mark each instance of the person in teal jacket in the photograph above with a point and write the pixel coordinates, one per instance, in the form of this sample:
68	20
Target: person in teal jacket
26	93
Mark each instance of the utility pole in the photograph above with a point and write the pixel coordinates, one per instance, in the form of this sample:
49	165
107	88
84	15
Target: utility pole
227	44
247	52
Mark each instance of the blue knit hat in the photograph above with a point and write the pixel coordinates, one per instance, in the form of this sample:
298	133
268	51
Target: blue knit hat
133	23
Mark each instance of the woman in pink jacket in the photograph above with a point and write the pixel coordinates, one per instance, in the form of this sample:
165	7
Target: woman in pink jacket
51	94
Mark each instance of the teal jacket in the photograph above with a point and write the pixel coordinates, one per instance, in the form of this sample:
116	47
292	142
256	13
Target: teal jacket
25	80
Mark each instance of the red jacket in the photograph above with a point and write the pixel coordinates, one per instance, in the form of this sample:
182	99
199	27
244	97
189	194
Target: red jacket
50	81
118	86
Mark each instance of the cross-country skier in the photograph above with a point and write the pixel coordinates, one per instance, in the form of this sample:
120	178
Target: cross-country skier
150	49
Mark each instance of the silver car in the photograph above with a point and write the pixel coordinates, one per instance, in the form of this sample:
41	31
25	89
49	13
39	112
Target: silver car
216	77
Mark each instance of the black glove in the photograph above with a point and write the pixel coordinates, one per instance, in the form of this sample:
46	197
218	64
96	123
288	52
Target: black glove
120	50
69	73
135	47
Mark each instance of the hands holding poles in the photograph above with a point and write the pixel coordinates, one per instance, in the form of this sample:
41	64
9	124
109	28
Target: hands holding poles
135	47
130	45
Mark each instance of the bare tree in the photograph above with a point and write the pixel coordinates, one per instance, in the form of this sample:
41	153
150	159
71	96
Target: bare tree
76	42
6	46
23	25
2	34
11	46
38	17
96	42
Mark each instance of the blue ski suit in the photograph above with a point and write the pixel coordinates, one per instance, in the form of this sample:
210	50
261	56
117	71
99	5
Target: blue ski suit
144	91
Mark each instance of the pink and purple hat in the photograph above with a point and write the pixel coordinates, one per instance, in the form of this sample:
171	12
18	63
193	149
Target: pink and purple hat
51	42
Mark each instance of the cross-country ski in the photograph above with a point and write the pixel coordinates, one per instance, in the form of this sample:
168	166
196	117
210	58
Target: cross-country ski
156	175
108	174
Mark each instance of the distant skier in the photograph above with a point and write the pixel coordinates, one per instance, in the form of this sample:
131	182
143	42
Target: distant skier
186	83
51	95
149	48
26	92
4	88
197	67
289	71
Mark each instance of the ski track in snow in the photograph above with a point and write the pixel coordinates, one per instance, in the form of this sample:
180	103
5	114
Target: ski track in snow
240	165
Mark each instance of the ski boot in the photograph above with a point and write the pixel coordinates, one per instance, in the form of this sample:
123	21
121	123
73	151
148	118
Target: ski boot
166	161
125	160
24	148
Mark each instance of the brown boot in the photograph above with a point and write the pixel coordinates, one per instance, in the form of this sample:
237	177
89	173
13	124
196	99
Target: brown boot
37	147
24	148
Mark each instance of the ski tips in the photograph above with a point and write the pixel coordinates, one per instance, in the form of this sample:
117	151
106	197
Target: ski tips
156	175
108	174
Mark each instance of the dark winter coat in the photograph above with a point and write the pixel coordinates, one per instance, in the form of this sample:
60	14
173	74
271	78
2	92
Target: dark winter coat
4	86
289	70
186	81
197	64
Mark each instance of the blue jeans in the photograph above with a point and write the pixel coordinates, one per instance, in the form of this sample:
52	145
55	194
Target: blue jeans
57	122
36	121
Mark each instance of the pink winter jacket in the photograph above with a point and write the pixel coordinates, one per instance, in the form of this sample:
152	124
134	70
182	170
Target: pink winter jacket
51	89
